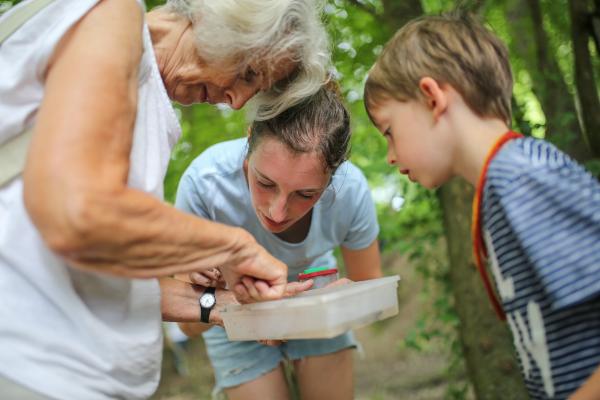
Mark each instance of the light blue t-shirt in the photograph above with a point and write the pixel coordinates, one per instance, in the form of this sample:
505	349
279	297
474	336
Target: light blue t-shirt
214	187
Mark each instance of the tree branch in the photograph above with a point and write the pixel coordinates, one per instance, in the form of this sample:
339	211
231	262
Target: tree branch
584	75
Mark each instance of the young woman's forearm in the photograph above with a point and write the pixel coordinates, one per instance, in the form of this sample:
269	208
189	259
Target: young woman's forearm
179	302
363	264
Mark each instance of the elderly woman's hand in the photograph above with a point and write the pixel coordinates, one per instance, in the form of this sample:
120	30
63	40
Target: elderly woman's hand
252	273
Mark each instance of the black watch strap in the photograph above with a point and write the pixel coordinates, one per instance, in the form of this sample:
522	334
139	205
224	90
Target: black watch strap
205	311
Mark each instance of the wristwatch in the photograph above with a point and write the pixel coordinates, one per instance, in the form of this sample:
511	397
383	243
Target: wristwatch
207	302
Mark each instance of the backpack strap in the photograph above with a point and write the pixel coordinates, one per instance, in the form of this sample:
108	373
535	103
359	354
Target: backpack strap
13	153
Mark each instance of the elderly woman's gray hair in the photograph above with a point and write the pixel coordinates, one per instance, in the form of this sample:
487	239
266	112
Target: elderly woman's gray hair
260	32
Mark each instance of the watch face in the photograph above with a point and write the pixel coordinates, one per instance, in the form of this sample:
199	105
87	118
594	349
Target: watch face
207	300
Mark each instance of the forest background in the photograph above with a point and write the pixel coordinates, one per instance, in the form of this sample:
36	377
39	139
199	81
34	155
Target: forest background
554	47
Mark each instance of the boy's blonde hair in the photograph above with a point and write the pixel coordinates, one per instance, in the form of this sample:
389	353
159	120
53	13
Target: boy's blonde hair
455	49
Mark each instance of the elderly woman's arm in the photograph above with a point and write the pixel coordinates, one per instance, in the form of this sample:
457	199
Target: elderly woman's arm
75	180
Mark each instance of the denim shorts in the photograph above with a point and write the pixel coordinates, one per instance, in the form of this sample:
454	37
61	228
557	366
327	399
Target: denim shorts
235	363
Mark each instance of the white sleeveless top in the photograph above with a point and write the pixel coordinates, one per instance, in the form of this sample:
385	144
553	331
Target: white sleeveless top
66	333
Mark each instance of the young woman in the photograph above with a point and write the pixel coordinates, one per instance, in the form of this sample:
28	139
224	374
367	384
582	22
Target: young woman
289	185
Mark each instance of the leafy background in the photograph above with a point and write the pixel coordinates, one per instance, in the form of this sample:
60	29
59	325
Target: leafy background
554	55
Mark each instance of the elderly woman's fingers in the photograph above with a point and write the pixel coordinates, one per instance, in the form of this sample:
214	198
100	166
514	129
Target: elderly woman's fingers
252	260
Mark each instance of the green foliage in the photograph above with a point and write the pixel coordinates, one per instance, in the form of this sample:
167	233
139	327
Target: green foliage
5	5
416	230
202	126
593	166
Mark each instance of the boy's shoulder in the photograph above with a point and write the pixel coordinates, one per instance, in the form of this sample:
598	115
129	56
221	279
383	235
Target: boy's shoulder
534	159
533	152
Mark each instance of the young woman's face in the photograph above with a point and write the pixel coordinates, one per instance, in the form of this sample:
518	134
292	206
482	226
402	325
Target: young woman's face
284	186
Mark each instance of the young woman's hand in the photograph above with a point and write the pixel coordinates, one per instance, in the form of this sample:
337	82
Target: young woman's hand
247	290
226	297
339	282
223	298
208	278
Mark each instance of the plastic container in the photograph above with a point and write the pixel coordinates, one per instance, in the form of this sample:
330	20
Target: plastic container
319	313
321	276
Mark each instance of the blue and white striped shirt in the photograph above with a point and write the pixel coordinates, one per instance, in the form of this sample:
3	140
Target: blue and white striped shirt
541	217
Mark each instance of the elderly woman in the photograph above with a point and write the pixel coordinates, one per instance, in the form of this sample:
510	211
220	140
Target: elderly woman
84	220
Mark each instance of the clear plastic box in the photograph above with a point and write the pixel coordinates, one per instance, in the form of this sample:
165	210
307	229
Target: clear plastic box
319	313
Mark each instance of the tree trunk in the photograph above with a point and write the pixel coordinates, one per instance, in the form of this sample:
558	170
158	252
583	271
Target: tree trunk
587	91
397	13
562	126
486	341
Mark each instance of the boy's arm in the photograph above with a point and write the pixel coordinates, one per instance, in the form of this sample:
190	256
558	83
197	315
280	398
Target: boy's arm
590	390
362	264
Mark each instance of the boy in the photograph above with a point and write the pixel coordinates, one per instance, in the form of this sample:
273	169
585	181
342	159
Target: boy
440	93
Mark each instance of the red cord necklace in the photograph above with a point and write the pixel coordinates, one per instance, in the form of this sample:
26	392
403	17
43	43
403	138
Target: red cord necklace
479	250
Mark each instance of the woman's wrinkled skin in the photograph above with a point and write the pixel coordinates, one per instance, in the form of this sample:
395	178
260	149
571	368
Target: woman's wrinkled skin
190	79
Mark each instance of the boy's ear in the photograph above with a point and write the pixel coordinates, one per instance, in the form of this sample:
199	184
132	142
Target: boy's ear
435	97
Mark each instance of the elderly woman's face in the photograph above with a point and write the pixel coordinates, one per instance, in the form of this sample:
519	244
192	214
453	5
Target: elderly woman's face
189	79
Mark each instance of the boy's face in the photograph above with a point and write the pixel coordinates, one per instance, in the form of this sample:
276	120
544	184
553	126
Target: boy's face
415	140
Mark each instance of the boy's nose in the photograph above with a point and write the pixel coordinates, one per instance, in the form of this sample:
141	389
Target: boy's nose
391	157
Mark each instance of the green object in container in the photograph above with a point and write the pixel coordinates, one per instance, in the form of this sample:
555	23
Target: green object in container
315	269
